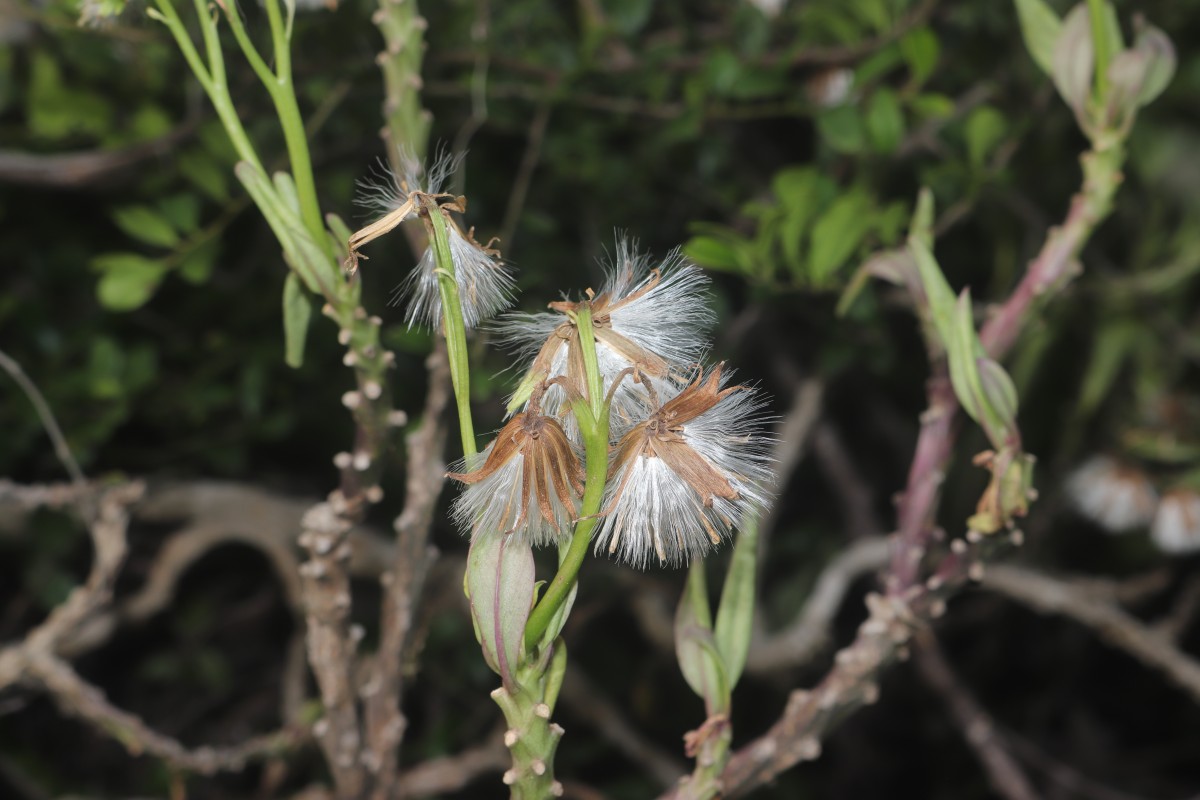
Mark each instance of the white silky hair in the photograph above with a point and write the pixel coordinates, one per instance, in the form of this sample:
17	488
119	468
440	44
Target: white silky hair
670	320
385	190
493	506
485	286
660	515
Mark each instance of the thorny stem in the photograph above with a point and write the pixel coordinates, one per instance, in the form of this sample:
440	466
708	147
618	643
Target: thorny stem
452	322
595	443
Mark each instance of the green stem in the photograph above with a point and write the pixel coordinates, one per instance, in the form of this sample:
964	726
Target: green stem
452	323
1096	12
591	365
595	442
279	85
212	77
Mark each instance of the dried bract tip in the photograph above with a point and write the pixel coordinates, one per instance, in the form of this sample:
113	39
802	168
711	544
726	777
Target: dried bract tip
686	476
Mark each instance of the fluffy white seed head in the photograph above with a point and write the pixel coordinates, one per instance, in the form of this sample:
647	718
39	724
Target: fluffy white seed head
484	285
654	511
647	315
494	505
1115	496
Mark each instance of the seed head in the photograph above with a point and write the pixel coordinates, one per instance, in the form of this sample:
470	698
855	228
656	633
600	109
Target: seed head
529	485
686	475
651	320
484	284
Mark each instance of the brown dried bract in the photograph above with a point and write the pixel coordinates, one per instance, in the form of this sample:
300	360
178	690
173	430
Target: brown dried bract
661	436
550	468
602	306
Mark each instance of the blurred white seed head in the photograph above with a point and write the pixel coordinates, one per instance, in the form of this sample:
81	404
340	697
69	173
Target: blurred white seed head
686	476
650	319
1117	497
1176	525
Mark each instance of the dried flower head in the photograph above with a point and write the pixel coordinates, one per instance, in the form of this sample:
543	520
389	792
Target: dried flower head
529	485
1116	496
651	320
685	476
484	284
1176	526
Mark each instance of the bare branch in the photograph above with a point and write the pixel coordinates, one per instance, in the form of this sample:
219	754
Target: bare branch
977	726
403	583
1064	596
61	448
808	634
592	707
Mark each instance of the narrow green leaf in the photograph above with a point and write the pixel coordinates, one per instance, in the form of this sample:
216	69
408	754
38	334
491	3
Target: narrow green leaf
1074	59
735	614
1040	27
699	659
297	311
315	268
499	580
960	353
146	225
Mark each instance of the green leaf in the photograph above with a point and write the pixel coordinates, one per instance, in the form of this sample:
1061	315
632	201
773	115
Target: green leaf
931	105
499	583
1040	27
712	252
699	659
197	265
128	279
1074	59
842	129
920	49
146	225
837	234
802	192
206	173
735	614
182	211
984	129
297	311
885	121
1112	346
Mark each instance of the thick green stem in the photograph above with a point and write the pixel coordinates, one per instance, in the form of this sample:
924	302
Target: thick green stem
531	737
595	443
452	323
